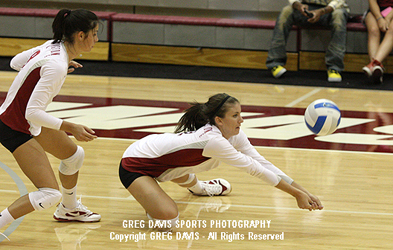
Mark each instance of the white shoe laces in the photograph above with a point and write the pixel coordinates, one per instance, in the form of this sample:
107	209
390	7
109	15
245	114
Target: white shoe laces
212	189
79	207
82	207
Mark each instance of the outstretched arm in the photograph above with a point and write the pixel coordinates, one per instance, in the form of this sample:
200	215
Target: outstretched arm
304	199
248	159
316	203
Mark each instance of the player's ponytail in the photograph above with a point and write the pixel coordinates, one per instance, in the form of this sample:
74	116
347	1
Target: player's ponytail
67	22
198	115
192	119
58	25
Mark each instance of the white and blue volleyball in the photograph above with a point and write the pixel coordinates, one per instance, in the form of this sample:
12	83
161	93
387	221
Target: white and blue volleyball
322	117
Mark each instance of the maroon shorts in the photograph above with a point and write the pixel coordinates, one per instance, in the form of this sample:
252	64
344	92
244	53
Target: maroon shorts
127	177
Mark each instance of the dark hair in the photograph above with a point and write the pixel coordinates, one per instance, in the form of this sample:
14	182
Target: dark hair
68	22
198	115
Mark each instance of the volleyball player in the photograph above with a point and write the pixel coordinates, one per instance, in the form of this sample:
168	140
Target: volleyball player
206	135
27	131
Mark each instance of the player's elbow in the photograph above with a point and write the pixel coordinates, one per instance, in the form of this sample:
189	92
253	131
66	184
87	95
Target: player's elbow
31	114
14	65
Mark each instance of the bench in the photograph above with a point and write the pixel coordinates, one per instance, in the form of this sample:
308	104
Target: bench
219	42
222	42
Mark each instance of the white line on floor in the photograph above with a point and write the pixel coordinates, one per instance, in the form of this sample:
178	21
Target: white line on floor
293	103
251	206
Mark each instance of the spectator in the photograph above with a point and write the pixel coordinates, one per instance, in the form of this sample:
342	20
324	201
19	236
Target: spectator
332	14
378	20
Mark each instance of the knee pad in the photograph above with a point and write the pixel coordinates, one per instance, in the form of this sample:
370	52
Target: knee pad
164	224
72	164
44	198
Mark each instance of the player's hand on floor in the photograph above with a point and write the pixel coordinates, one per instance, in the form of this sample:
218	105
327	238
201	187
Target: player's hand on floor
317	204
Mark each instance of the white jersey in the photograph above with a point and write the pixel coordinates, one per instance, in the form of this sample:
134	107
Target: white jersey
169	156
42	72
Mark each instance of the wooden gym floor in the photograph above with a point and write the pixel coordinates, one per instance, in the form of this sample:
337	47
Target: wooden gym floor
350	171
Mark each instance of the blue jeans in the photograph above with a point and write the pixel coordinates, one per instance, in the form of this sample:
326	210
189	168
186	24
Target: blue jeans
336	21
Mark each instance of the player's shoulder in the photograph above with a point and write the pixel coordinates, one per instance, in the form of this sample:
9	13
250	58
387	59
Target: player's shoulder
208	131
56	57
57	66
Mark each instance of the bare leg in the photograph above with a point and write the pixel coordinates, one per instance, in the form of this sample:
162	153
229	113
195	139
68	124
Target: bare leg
62	147
58	144
374	35
153	199
35	165
184	179
386	46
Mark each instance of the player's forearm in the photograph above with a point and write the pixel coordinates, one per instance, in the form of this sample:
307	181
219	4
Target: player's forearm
290	189
294	184
67	126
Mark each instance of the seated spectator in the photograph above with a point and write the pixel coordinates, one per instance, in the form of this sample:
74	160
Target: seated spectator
332	14
378	21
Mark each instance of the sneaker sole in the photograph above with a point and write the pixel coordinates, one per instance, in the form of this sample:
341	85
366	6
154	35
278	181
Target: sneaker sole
367	71
377	75
279	74
75	220
377	72
334	79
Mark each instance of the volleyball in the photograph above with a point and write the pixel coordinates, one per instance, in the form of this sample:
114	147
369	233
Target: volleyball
322	117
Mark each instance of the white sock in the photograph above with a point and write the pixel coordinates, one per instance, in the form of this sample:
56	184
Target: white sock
69	198
197	188
5	218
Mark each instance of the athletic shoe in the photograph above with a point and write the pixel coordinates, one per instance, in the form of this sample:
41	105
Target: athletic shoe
214	187
334	76
278	71
374	70
80	213
368	69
